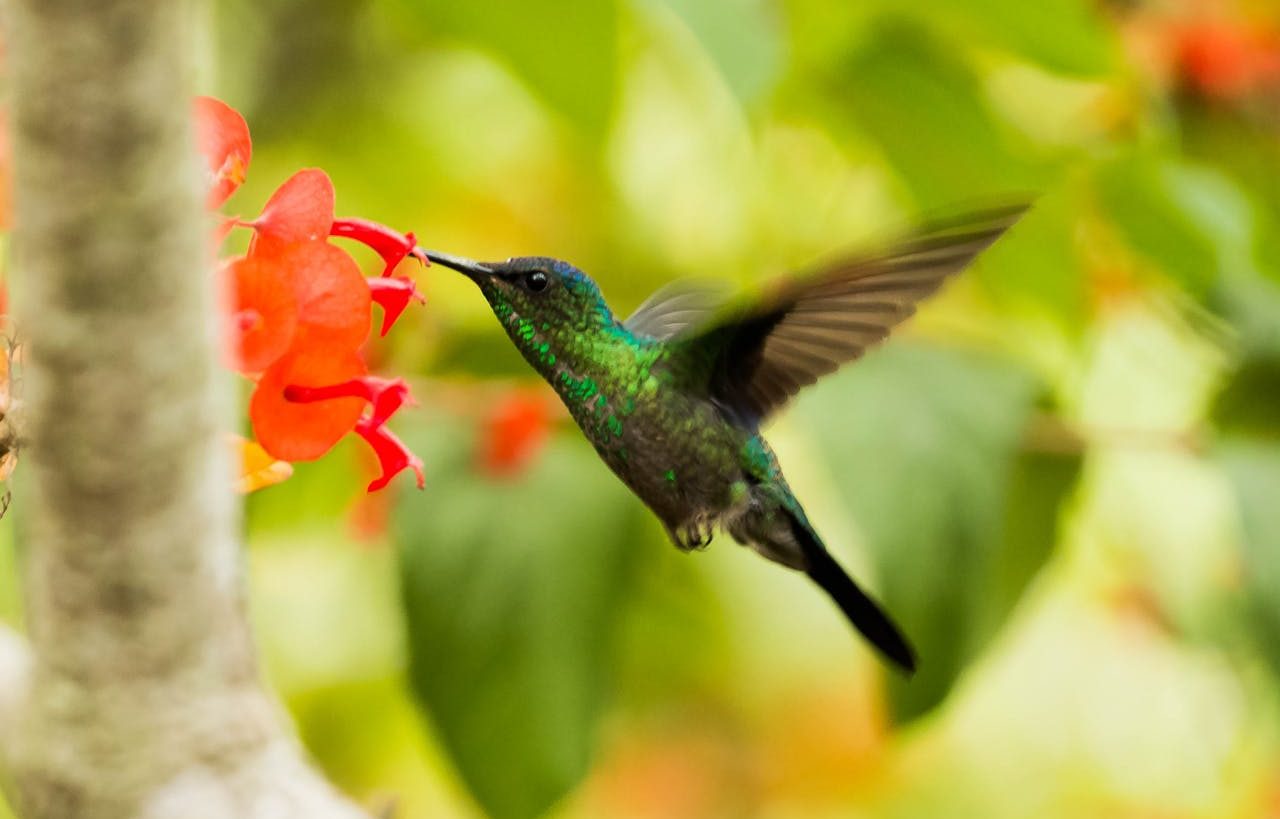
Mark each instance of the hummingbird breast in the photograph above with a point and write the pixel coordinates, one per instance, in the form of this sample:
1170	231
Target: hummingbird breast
670	445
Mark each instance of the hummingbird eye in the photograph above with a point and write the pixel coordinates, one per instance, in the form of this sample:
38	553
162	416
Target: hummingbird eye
536	281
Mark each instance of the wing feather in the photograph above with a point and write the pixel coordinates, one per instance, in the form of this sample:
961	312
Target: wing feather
676	308
810	326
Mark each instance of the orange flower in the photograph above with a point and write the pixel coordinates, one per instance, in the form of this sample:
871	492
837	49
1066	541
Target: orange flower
393	294
264	312
393	456
1228	59
301	210
295	431
300	310
514	432
391	245
333	299
222	137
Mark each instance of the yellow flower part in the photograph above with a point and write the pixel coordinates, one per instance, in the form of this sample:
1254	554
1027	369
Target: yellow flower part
258	469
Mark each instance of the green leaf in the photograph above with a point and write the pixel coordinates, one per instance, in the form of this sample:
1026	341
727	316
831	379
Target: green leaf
318	495
1230	139
1192	222
1037	268
511	598
927	444
1251	303
1247	403
928	113
1067	36
742	37
565	51
1254	471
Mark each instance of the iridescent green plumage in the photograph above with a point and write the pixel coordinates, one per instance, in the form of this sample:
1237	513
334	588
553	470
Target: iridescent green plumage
672	399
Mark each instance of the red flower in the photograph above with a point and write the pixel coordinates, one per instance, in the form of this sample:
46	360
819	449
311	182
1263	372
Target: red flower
393	456
295	431
222	137
1228	59
264	312
384	396
300	309
393	294
333	299
514	432
301	210
391	245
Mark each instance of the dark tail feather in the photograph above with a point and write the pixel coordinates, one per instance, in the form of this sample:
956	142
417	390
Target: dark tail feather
863	612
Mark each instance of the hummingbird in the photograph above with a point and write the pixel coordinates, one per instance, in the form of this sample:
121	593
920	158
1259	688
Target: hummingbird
673	398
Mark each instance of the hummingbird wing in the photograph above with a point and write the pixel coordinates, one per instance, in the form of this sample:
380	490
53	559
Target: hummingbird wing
807	326
677	307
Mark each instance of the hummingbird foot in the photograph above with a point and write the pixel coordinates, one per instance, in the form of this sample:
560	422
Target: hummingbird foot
694	534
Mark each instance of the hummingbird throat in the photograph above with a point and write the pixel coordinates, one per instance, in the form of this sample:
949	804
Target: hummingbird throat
597	413
528	336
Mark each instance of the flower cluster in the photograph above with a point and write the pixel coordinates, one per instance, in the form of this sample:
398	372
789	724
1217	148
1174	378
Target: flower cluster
1228	59
1220	53
299	312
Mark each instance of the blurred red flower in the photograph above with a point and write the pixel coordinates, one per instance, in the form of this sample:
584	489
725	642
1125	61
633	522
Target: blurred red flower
300	309
514	432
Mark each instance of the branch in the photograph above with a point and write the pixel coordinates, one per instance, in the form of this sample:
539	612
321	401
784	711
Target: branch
145	697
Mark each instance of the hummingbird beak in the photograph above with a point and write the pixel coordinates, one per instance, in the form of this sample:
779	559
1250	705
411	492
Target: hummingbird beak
469	267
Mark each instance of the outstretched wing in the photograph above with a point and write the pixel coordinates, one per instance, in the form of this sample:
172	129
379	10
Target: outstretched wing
808	326
677	308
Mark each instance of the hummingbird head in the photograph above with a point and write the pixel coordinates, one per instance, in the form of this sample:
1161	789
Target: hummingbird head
551	310
535	289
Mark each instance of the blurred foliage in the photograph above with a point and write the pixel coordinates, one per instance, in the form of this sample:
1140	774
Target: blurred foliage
1063	478
953	551
1254	471
499	586
947	146
534	38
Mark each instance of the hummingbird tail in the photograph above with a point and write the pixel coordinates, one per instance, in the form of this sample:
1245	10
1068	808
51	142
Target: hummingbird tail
863	612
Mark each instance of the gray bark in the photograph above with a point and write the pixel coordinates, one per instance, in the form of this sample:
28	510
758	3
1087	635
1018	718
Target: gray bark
143	695
15	672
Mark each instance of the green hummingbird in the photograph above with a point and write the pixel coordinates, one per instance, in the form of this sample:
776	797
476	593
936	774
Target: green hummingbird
673	397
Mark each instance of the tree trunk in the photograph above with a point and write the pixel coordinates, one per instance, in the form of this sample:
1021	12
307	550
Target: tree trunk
143	696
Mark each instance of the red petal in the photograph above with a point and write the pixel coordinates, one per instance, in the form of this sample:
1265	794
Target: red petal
393	456
391	245
393	294
294	431
223	228
301	210
389	397
514	432
333	299
1229	59
264	312
222	137
386	395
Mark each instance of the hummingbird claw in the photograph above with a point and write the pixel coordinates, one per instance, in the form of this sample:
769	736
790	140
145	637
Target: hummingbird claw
692	535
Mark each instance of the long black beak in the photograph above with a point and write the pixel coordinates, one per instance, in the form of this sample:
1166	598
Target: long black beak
470	267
